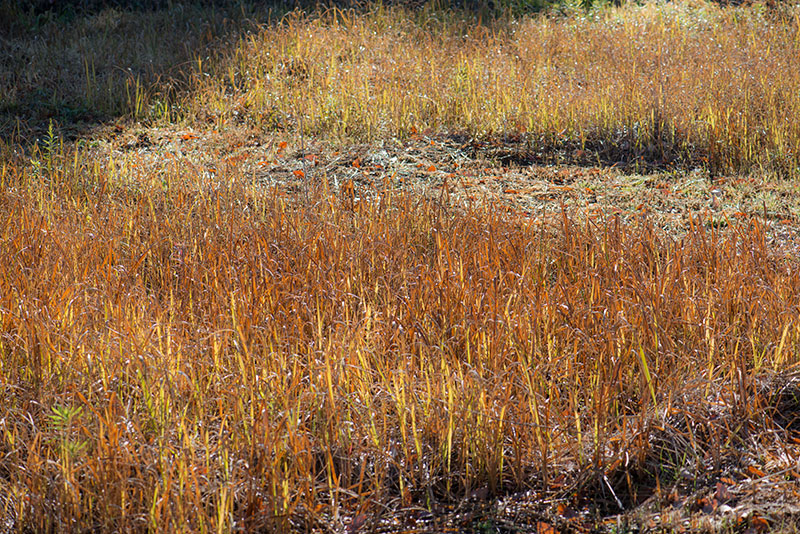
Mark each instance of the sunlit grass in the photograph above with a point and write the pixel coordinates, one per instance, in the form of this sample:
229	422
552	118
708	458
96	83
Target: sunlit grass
177	357
682	82
188	351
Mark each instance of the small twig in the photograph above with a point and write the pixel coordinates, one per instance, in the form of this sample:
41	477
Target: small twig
608	484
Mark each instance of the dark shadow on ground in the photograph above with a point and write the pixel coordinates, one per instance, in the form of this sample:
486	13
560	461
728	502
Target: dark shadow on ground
80	64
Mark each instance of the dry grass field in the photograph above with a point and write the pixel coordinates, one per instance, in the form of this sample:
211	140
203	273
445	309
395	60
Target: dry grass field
396	270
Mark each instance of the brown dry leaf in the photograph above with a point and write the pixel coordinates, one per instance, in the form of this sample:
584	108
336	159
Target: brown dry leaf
755	472
758	524
357	523
566	512
722	494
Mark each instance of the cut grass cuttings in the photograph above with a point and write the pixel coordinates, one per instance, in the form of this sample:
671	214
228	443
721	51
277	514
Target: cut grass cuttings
677	82
179	357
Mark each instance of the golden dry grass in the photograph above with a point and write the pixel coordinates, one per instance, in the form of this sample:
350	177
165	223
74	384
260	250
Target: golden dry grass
184	358
685	82
182	351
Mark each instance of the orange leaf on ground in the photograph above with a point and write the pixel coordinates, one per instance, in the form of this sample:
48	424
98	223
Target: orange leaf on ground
188	136
299	173
432	168
545	528
755	472
759	524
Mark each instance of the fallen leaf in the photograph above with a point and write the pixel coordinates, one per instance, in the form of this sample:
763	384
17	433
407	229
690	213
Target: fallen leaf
545	528
299	173
755	472
706	505
759	523
722	494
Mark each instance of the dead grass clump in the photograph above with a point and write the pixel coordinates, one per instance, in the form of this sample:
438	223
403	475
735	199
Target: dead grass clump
681	83
179	356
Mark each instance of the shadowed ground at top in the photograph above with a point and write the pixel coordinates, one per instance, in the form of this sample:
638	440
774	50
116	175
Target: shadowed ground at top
80	64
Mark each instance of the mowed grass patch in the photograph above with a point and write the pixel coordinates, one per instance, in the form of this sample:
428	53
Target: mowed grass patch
680	83
180	355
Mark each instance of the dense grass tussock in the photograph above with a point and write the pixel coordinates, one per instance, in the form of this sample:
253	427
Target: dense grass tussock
175	356
680	83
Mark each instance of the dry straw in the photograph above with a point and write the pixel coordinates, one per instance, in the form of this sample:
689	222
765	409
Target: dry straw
178	358
681	82
183	356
